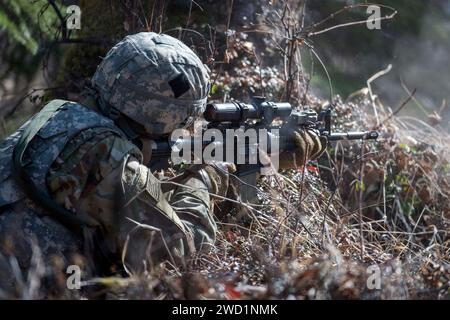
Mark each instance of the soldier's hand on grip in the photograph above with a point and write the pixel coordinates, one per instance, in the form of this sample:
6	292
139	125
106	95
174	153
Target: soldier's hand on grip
215	176
308	146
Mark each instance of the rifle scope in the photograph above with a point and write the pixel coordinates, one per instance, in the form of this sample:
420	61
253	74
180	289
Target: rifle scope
238	112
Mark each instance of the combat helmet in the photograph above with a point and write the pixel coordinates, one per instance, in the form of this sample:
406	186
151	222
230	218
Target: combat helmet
154	80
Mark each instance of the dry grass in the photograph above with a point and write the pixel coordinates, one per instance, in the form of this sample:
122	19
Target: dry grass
390	211
304	241
379	205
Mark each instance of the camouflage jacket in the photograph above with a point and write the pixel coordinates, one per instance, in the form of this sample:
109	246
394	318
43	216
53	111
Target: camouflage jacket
83	162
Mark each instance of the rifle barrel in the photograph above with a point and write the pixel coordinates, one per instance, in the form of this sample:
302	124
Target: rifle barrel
366	135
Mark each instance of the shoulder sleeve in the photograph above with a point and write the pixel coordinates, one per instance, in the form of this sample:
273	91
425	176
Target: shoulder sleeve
176	224
106	180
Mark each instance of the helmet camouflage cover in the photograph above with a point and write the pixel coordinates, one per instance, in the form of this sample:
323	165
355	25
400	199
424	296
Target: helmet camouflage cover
153	79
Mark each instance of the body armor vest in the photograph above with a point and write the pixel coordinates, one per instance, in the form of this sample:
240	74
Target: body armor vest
27	155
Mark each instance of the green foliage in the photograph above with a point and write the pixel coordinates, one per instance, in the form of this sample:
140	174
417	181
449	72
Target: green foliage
407	148
25	21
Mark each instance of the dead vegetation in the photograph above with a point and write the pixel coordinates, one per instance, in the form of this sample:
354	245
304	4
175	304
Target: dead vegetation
305	241
367	212
324	231
368	221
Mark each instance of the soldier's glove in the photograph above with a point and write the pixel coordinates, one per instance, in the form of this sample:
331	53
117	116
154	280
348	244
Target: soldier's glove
215	176
308	146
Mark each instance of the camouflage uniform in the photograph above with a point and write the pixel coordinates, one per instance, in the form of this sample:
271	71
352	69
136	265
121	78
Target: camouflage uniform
74	184
96	172
85	160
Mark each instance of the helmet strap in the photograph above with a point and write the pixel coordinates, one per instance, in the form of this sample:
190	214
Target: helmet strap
91	95
126	127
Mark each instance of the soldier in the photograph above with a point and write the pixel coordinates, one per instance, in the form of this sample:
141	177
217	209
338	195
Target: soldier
73	179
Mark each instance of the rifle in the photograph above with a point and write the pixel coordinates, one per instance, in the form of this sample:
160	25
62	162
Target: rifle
238	117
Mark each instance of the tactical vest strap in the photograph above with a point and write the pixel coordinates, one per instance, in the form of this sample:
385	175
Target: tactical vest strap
60	213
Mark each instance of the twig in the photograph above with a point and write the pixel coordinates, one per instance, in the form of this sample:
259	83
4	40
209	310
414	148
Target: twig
398	109
343	25
360	199
369	86
60	17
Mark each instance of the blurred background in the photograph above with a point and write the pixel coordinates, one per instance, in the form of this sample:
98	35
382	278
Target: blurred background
385	202
41	58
